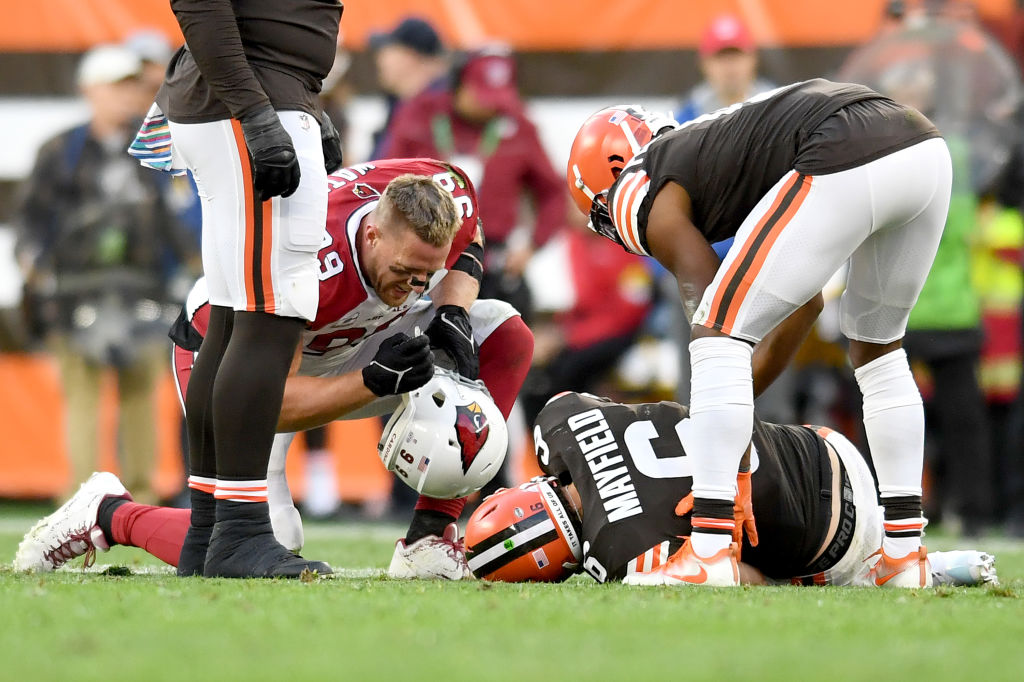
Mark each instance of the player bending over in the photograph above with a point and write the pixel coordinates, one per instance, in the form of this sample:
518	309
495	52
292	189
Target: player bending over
396	231
611	506
806	178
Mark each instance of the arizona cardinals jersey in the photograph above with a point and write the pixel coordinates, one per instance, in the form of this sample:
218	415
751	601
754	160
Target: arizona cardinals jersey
728	159
630	467
349	310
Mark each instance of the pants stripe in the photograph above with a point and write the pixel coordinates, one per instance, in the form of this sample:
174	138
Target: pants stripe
259	230
745	268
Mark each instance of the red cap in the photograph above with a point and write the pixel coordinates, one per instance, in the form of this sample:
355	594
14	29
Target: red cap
492	78
726	31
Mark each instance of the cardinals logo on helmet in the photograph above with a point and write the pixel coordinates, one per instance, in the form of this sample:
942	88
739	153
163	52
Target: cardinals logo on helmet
471	428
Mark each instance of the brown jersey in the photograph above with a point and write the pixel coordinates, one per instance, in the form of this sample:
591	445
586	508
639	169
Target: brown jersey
287	48
630	468
728	160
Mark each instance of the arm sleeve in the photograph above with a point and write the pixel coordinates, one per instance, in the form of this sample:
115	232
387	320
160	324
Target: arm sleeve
548	188
211	33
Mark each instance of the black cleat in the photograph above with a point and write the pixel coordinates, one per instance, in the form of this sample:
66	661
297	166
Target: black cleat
247	548
193	551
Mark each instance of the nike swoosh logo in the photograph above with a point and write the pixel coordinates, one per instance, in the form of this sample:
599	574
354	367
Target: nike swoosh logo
447	321
884	579
700	577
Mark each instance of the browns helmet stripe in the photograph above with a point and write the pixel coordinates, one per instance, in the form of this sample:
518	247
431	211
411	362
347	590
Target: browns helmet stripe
509	533
485	563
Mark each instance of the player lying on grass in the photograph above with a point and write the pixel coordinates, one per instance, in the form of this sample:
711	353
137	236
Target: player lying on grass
391	238
611	505
447	438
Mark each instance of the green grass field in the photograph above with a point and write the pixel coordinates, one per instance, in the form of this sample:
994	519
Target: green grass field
151	625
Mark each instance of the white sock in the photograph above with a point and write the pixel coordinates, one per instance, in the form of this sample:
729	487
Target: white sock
721	423
894	421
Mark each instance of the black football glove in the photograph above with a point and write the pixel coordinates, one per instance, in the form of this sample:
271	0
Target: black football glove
451	331
402	364
331	141
275	168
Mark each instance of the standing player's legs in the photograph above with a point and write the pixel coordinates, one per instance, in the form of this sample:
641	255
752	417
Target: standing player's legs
793	241
260	262
910	194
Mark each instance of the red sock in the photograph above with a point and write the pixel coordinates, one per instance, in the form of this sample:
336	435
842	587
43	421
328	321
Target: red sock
158	530
452	508
505	358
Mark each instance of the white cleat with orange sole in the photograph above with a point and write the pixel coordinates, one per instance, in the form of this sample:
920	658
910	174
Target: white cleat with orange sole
687	568
910	571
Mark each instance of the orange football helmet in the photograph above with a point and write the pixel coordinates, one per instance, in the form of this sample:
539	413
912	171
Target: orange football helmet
524	534
604	144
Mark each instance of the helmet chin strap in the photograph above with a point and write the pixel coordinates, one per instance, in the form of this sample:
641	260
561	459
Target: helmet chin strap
580	185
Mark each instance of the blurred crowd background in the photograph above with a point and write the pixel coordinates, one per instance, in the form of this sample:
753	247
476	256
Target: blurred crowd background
97	254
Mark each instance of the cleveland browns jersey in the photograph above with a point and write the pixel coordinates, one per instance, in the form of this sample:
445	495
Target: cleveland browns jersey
727	160
630	467
349	310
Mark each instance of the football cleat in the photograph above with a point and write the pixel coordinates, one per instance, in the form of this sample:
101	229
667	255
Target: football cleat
963	567
72	530
912	570
242	547
685	567
431	558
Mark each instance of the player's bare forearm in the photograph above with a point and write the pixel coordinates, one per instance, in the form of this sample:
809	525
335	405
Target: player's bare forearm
457	288
315	401
776	349
211	32
678	245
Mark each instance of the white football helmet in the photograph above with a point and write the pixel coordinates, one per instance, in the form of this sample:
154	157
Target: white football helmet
447	439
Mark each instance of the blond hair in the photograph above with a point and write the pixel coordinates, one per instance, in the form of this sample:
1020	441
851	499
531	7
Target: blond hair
425	206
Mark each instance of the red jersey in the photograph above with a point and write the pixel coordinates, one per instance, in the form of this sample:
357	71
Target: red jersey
350	310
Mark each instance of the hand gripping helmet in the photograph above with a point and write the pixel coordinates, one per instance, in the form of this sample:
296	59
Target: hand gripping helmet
447	439
524	534
603	146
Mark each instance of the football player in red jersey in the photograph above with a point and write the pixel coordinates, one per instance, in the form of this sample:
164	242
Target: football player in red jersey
397	230
610	504
384	252
805	178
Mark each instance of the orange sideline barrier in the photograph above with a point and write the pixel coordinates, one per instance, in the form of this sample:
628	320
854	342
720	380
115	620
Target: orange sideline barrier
75	25
33	463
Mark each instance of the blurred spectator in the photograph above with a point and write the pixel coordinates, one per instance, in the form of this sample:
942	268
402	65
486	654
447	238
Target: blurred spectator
180	193
92	228
155	51
596	297
480	125
997	274
728	61
410	60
